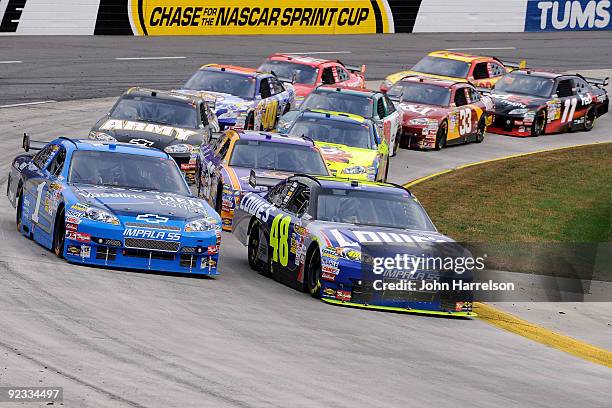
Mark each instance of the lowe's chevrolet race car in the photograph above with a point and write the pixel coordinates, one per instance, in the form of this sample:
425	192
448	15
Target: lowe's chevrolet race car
113	204
319	235
243	98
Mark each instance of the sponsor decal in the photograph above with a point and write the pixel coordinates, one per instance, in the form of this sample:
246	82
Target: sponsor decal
161	235
88	194
73	250
72	227
207	262
142	142
565	15
152	218
328	277
213	249
253	204
343	295
329	292
377	237
183	203
170	131
78	236
85	251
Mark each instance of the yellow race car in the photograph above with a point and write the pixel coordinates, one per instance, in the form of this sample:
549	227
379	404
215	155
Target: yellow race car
350	144
481	71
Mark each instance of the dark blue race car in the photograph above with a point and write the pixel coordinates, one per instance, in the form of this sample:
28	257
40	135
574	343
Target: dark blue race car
113	204
325	236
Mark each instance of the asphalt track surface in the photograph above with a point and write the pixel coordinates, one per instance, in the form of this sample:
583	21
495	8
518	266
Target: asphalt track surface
117	338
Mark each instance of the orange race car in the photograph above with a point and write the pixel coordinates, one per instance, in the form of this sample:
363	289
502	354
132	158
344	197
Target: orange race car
458	67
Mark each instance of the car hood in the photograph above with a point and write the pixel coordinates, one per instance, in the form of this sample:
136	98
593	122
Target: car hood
393	78
504	102
339	156
147	133
221	101
416	110
131	202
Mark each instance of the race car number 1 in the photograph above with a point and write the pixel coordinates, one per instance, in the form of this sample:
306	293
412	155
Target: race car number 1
279	239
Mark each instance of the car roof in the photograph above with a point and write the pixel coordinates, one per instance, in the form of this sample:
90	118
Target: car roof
352	90
348	184
165	95
270	137
458	56
445	83
235	70
340	116
540	73
301	59
118	147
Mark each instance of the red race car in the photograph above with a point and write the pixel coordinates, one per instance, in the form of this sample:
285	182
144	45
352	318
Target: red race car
307	73
438	112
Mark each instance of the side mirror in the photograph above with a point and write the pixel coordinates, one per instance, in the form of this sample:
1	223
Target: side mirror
293	77
215	135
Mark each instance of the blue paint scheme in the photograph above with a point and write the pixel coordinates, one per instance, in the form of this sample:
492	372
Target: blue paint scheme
154	215
562	15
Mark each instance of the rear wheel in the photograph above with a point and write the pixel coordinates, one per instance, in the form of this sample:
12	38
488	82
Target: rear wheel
539	124
19	208
313	270
253	248
589	119
396	143
219	199
250	121
482	126
441	136
59	234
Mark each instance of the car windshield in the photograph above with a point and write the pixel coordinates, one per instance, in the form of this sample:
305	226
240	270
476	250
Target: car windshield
442	66
278	156
152	109
361	105
284	70
420	93
372	208
525	85
231	83
352	134
126	170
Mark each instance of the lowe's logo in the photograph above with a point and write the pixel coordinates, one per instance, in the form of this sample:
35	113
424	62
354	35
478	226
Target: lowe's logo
565	15
152	218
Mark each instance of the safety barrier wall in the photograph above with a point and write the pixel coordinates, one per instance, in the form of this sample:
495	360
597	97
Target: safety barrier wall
201	17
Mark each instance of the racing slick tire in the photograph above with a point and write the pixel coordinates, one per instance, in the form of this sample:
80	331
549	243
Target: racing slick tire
253	247
59	233
19	208
589	119
219	199
313	272
441	136
539	124
482	127
396	144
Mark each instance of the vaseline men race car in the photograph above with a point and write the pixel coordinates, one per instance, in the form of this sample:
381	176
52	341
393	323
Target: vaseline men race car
437	112
306	73
357	101
224	166
532	103
480	71
323	235
350	144
113	204
243	98
175	123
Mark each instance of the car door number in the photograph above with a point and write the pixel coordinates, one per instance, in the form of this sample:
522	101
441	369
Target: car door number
465	118
279	239
569	108
39	192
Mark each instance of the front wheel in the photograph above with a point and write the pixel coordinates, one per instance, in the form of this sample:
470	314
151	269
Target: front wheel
482	126
396	143
250	121
253	248
441	136
219	199
59	234
589	119
539	124
314	274
19	208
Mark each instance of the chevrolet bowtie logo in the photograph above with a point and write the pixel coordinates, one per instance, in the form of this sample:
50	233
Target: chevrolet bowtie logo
152	218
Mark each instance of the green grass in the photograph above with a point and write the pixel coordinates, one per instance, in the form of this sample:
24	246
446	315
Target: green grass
554	197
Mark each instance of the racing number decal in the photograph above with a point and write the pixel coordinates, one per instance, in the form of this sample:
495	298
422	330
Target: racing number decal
268	118
569	109
279	239
465	118
39	191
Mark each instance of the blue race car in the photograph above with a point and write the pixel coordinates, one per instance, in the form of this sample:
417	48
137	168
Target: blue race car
325	235
243	98
113	204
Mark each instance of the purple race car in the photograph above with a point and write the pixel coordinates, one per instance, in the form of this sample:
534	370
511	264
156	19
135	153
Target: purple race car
224	165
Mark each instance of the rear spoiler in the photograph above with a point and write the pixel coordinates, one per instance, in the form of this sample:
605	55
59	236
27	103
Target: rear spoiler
28	144
598	82
259	181
513	65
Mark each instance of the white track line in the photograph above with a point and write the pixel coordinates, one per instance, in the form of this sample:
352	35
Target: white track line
11	62
27	104
481	48
146	58
316	52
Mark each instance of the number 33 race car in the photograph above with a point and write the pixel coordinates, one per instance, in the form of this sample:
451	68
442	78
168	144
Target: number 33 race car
113	204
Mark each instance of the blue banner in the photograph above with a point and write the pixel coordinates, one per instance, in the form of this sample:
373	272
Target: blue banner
565	15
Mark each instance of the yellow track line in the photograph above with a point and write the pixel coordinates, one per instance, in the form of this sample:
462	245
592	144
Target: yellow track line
513	324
